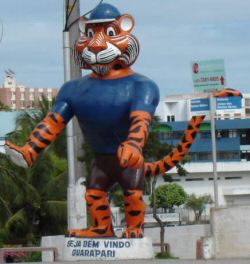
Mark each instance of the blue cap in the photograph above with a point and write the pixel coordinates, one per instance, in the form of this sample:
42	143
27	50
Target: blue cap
103	13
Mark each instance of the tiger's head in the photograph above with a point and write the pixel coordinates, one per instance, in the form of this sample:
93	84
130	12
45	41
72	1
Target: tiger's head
106	42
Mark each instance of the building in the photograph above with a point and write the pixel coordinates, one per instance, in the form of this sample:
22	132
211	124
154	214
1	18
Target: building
20	97
179	107
232	142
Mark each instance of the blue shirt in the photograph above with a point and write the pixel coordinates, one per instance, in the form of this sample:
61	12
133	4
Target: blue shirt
103	107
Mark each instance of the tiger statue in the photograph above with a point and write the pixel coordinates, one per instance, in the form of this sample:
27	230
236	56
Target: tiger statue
114	106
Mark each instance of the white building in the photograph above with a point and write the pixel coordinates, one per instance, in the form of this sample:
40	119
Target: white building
232	140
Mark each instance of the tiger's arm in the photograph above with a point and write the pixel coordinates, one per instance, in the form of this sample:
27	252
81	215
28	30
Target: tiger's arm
130	151
44	134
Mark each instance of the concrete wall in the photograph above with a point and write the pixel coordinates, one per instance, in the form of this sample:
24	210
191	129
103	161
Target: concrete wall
231	232
182	239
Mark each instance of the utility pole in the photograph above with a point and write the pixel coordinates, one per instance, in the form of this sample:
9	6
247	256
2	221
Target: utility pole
75	192
214	151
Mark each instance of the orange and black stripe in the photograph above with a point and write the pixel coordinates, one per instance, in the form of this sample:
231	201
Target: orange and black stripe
99	209
134	213
227	92
139	128
44	134
177	154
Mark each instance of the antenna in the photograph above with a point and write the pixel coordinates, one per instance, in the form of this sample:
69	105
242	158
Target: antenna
9	73
12	72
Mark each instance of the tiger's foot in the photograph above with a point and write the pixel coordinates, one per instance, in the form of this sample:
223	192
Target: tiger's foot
92	232
133	233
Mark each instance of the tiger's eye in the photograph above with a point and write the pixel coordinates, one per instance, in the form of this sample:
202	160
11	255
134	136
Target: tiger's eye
90	33
111	31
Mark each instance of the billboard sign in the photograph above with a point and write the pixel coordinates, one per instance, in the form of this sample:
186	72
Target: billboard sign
226	104
200	106
208	75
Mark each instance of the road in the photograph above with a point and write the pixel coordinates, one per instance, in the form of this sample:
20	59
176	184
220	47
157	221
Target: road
165	261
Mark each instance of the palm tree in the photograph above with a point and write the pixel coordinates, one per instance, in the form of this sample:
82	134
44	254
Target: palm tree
4	107
31	199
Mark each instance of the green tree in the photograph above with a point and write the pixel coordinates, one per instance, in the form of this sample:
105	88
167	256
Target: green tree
116	196
154	148
169	195
198	204
31	199
27	121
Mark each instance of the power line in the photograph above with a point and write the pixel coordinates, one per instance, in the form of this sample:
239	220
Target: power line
67	27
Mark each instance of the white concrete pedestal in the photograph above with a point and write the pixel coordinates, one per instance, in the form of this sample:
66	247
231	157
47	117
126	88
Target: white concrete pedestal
75	249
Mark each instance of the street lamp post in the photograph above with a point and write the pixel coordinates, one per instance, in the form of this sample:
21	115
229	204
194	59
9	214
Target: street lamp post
214	151
74	139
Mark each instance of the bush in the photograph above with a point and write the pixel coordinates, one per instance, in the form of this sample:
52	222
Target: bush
169	195
164	255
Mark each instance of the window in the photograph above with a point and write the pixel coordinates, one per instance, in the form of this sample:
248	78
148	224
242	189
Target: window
230	133
245	156
226	156
204	156
49	96
233	178
194	179
247	101
32	104
165	136
31	96
245	137
205	134
211	179
170	118
247	111
170	135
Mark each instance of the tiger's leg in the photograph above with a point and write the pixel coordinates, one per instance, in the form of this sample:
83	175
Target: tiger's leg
98	206
132	183
99	209
134	213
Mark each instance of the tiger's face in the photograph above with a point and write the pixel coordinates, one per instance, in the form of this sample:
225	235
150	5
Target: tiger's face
106	46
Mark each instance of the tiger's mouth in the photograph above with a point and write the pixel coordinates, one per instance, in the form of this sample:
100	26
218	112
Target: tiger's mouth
103	57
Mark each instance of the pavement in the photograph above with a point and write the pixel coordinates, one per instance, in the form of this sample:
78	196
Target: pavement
158	261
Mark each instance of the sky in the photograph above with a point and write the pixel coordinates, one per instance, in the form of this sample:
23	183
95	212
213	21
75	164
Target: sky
172	34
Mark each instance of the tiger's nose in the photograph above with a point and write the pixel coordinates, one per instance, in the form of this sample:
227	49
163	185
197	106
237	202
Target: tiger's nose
97	48
97	44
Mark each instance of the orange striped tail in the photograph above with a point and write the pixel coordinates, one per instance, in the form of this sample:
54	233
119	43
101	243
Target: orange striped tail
177	154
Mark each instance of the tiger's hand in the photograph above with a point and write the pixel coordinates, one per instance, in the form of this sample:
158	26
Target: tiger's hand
18	155
130	155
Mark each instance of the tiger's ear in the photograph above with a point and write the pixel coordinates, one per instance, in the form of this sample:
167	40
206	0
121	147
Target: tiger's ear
82	24
126	23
